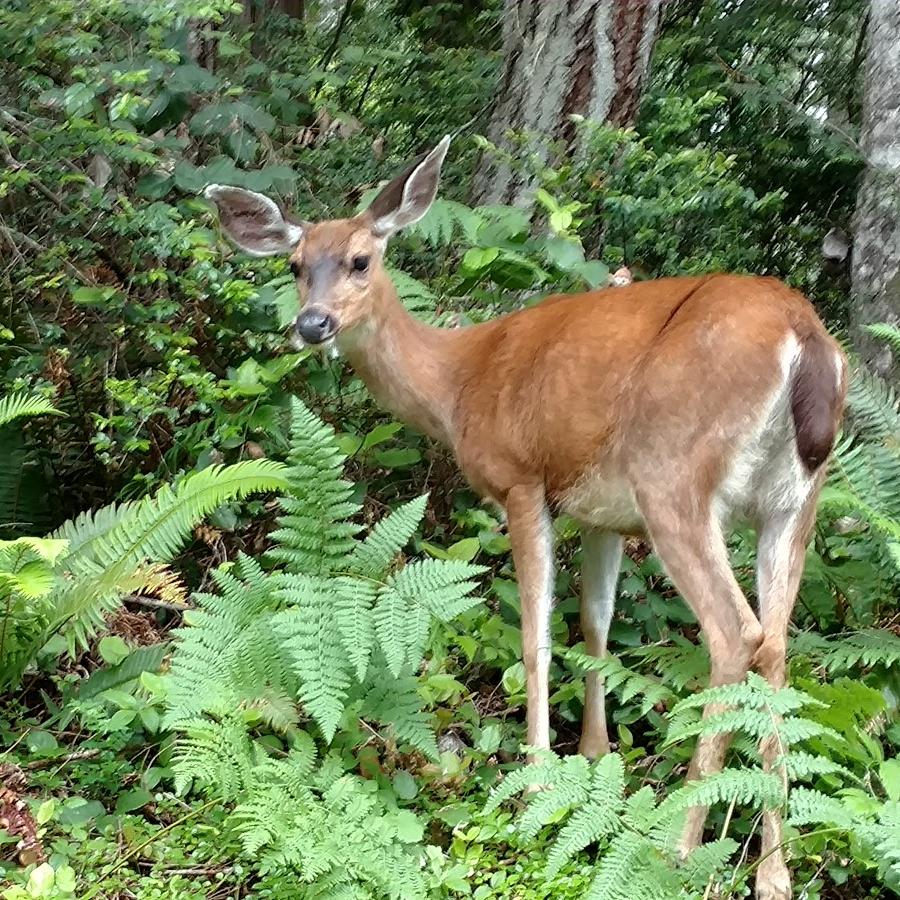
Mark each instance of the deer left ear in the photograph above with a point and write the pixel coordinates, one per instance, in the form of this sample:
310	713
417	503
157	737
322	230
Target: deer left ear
409	196
253	221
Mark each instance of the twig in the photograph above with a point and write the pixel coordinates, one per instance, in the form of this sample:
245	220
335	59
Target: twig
12	235
153	603
134	851
49	761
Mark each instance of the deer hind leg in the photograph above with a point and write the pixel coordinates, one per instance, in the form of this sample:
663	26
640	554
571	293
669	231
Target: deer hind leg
531	535
691	546
602	559
782	539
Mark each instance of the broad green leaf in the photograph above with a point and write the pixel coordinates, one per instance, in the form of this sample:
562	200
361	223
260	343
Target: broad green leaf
465	550
113	649
889	773
480	257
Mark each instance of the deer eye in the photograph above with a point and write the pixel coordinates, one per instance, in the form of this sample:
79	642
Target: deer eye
360	263
295	269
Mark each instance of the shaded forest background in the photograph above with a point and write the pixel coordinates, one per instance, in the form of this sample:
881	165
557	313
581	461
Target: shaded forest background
163	744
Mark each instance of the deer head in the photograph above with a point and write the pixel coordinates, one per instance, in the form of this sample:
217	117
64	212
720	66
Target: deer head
338	264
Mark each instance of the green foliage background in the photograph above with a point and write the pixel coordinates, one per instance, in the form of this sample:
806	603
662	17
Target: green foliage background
262	663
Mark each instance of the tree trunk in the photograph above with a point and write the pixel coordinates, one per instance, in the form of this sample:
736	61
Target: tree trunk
293	8
876	249
585	57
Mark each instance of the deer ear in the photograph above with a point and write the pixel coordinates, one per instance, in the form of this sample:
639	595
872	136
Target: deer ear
408	197
253	221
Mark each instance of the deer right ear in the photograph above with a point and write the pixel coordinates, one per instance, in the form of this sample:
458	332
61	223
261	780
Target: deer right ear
409	196
253	221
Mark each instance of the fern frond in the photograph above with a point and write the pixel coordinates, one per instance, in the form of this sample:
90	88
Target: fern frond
372	556
315	535
156	528
412	598
745	786
808	807
224	656
545	772
874	407
709	861
25	406
217	755
625	683
598	818
354	599
397	703
890	334
310	638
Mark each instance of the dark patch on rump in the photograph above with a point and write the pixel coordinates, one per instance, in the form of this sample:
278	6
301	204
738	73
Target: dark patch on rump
815	400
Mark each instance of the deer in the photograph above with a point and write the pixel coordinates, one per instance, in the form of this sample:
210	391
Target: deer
667	409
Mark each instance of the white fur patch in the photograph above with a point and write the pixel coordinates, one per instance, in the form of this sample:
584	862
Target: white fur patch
603	501
602	553
545	599
766	474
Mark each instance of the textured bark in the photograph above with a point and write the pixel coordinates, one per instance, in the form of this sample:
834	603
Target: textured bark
876	250
561	58
293	8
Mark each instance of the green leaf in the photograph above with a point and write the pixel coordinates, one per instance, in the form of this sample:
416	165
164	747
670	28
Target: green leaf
560	220
41	741
594	273
150	719
45	811
121	719
140	663
397	459
41	880
405	785
479	258
465	550
97	296
78	98
889	773
564	253
409	828
113	649
78	811
132	800
65	879
381	433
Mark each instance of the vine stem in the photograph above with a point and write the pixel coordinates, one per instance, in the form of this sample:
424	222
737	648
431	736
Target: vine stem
135	850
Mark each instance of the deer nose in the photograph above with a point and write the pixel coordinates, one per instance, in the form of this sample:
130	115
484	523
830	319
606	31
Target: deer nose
315	325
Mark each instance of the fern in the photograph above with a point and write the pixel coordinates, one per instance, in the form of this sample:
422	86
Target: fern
25	406
890	334
624	682
596	818
636	836
315	536
334	837
874	407
443	218
117	551
310	639
849	653
396	702
335	626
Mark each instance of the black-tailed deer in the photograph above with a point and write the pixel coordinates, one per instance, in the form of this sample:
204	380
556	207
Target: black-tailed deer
667	408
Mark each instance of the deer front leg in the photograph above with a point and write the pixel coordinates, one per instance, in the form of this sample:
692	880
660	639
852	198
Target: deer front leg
531	536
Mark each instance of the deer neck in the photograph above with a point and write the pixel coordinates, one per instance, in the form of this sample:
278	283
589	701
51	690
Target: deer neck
408	366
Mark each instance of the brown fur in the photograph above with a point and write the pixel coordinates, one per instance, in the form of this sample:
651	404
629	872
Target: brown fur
647	394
